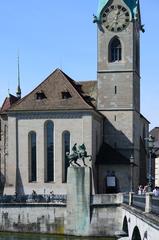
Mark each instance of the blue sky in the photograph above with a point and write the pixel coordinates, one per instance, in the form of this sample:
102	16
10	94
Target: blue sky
50	34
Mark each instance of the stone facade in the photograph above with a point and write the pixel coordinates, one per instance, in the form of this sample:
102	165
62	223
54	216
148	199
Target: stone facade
119	95
3	150
21	125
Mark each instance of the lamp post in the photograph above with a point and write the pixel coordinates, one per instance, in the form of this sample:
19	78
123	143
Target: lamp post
150	151
131	172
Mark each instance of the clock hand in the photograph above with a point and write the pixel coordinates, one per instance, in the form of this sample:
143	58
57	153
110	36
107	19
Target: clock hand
121	14
112	25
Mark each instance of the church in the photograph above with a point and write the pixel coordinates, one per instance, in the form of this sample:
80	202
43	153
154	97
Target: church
38	130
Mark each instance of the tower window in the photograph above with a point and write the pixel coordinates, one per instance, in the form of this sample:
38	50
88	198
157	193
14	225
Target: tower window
115	89
115	50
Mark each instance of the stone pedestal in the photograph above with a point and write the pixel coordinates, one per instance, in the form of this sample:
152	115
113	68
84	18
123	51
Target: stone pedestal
78	201
148	205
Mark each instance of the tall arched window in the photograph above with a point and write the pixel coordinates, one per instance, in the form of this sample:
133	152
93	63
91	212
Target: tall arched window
49	151
115	50
66	148
32	157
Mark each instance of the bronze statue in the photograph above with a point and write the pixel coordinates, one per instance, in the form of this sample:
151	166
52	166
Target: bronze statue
78	154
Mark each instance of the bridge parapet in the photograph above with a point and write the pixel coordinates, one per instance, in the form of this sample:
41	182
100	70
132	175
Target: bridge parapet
147	203
106	199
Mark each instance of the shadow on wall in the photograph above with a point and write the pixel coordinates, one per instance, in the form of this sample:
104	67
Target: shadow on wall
115	153
19	183
117	139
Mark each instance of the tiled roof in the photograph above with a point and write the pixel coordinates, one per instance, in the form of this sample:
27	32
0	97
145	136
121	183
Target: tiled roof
8	103
58	92
89	91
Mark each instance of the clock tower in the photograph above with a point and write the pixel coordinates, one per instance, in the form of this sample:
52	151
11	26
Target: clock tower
118	74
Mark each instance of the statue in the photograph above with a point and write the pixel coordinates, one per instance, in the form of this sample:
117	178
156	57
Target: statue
78	154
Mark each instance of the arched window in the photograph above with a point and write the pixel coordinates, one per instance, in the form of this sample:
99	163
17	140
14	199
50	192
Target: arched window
49	151
115	50
32	157
66	148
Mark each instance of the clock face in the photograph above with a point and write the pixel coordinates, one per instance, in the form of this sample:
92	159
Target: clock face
115	18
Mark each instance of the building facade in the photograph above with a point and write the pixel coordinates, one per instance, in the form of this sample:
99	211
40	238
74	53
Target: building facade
155	157
104	115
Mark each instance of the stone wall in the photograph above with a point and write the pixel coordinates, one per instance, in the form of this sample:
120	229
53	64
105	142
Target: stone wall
104	218
18	159
39	218
3	149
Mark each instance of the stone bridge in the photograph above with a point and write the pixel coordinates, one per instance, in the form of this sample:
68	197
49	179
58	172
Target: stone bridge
140	217
134	217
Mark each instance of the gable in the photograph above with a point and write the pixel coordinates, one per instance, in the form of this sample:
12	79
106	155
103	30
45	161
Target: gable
8	103
56	92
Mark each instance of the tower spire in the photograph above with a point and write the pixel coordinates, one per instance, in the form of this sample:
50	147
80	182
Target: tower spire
18	92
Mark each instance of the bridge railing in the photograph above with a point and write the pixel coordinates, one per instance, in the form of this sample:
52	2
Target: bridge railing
139	201
38	198
147	203
126	198
155	205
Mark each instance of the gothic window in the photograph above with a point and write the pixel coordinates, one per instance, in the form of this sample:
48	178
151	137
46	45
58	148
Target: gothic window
32	157
115	50
49	151
66	149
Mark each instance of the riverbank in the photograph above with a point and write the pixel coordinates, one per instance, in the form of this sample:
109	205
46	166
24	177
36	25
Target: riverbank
27	236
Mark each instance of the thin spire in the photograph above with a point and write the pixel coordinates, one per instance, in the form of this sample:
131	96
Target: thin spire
18	88
8	92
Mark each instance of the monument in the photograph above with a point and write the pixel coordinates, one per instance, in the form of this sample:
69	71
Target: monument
78	194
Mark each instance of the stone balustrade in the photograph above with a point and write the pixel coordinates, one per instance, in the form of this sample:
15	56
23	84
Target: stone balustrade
147	202
37	198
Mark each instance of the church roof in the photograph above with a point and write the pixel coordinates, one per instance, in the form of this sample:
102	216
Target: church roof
132	4
59	92
8	103
108	155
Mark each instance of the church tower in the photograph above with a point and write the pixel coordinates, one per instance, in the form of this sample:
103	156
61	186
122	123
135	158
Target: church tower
118	74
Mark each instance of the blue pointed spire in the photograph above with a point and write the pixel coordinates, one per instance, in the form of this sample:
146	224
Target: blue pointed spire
132	4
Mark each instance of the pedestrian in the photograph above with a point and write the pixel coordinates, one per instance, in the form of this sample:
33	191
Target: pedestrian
145	190
156	191
140	190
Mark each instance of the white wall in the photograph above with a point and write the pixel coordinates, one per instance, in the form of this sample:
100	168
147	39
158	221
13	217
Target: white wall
79	125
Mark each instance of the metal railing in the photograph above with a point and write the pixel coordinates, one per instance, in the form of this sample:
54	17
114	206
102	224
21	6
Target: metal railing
139	201
54	198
